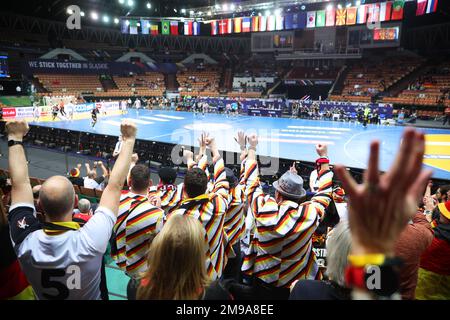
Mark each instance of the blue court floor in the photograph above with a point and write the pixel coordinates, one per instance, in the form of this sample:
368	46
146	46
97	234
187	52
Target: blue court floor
278	137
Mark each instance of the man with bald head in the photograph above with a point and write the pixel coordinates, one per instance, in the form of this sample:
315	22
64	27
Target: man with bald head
60	259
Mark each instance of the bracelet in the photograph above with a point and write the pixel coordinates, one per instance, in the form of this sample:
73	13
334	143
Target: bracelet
363	260
252	148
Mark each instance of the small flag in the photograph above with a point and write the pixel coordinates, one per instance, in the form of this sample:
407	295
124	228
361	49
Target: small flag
351	16
222	26
385	11
397	10
255	23
154	30
133	27
302	17
311	19
237	25
374	13
262	23
288	21
188	28
320	18
421	7
246	24
432	6
362	14
196	28
174	27
270	23
165	25
214	28
229	26
279	22
340	17
145	26
331	17
124	26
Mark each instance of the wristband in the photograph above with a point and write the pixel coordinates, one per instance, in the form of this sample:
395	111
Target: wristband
252	148
362	260
14	142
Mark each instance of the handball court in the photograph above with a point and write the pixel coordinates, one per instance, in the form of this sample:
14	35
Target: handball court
278	137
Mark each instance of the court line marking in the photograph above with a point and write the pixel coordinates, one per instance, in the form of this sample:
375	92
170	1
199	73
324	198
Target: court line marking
296	141
169	117
312	131
320	128
437	143
112	122
305	136
139	121
154	118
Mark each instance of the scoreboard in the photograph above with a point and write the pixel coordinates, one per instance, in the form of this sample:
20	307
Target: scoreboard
4	73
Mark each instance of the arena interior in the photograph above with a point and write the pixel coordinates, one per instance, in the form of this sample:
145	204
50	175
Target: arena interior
254	151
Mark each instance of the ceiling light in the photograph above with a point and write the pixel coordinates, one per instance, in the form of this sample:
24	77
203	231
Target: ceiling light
225	7
82	13
105	19
116	21
94	15
121	1
267	13
149	6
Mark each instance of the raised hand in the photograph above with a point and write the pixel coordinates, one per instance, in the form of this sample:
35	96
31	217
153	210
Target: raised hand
241	139
293	169
17	129
380	208
322	150
252	140
128	129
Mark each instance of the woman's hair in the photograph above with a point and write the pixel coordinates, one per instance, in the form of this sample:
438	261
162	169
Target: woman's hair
338	248
176	262
3	217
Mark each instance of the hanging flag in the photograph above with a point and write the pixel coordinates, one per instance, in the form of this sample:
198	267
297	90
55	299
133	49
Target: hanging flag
262	23
330	18
222	26
165	25
124	26
320	18
374	13
311	19
230	25
196	28
133	27
421	7
302	17
154	29
145	26
362	14
270	23
385	11
174	27
188	28
214	28
351	16
237	25
432	6
288	21
397	9
255	23
246	24
340	17
279	22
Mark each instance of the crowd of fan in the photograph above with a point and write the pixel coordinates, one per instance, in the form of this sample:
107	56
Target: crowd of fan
218	235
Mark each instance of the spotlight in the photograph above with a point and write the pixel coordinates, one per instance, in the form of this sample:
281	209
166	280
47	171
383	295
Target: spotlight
138	24
191	12
82	13
149	6
259	14
183	11
94	15
105	19
130	3
329	7
267	13
127	23
225	7
217	6
303	7
69	11
209	13
175	10
232	7
278	12
121	1
116	21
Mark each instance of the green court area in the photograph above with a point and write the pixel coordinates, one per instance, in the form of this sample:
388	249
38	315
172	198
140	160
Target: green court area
13	101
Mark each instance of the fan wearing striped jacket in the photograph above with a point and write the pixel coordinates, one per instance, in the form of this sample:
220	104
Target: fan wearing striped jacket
280	251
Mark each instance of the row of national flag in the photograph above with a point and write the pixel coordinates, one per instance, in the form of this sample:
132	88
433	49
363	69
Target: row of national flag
165	27
364	13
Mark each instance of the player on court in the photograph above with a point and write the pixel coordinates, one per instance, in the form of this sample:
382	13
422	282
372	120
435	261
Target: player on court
123	106
36	112
94	113
55	111
137	105
70	110
61	109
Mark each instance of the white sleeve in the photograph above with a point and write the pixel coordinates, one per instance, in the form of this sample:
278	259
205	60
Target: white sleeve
97	231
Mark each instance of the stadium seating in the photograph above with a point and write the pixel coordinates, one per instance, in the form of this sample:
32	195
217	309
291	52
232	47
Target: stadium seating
199	81
62	84
148	84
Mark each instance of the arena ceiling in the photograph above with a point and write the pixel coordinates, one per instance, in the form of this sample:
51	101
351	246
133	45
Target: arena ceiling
56	9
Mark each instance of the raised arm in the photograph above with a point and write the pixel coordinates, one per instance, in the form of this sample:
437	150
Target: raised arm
105	172
18	168
111	194
253	188
322	198
221	185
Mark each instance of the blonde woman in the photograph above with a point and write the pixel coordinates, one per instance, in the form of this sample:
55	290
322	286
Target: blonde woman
177	264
